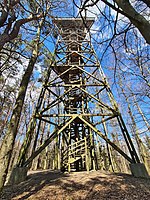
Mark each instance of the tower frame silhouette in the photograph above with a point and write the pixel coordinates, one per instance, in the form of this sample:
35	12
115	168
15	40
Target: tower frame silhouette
81	104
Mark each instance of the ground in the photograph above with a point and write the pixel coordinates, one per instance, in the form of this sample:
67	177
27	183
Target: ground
54	185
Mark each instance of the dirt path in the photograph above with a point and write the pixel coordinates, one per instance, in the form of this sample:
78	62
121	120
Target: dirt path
54	185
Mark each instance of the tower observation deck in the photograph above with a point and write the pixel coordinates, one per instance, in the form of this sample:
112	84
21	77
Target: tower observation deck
79	105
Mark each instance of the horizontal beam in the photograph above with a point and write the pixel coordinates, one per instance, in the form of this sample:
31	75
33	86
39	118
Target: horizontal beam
70	85
71	115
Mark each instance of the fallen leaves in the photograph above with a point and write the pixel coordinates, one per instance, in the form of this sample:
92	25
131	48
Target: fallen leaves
54	185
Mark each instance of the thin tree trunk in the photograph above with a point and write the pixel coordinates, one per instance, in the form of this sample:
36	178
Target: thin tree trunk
5	121
141	113
141	147
147	139
40	158
111	167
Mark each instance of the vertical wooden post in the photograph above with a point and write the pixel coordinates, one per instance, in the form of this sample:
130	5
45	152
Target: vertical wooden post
92	150
86	155
69	164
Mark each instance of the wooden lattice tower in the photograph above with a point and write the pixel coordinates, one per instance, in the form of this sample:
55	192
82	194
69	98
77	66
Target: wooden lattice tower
80	104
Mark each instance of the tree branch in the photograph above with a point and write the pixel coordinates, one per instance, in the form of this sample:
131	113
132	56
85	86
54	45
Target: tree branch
136	19
4	38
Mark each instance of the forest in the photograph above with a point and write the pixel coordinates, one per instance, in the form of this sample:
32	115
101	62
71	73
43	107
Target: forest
120	37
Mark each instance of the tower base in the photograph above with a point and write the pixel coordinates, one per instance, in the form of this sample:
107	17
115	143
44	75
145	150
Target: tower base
18	175
138	170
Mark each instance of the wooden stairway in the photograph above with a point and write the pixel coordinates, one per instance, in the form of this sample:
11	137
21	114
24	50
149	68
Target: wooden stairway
77	151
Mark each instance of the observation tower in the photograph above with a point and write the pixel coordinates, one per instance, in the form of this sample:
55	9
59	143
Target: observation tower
80	107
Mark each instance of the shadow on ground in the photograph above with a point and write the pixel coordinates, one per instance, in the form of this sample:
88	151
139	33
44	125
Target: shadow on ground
34	183
54	185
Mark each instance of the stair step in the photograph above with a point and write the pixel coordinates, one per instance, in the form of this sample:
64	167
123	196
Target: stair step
72	160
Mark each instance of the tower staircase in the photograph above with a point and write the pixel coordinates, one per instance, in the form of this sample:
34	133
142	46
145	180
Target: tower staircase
78	151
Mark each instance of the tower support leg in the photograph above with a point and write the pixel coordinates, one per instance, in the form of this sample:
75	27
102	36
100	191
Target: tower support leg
139	170
18	175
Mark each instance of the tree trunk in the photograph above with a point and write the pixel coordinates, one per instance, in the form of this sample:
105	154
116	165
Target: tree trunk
9	139
30	132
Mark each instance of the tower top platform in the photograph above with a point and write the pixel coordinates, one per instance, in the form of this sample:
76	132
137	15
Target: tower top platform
74	23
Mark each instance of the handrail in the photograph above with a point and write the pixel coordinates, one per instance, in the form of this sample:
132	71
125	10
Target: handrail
74	144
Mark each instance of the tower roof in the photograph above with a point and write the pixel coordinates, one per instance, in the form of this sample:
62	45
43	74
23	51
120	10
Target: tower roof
68	23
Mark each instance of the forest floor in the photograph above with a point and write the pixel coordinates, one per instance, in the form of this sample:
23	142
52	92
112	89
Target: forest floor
54	185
